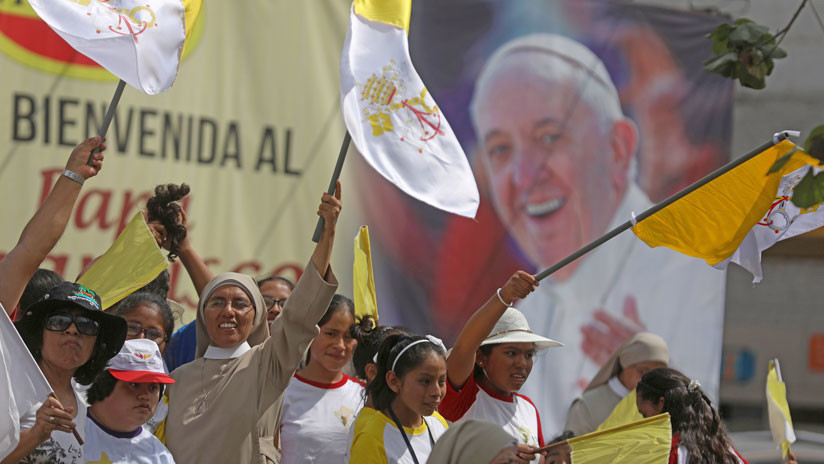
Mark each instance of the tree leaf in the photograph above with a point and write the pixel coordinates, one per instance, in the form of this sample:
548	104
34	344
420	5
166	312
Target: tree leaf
814	145
781	161
747	34
724	64
810	191
778	53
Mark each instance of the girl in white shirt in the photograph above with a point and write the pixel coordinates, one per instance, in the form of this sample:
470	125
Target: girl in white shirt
407	390
489	364
321	402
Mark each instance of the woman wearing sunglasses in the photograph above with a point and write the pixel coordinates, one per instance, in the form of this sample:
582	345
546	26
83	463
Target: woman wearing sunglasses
70	337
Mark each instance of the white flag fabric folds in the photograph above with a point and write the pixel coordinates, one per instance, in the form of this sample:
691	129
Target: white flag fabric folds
392	118
140	42
22	384
782	220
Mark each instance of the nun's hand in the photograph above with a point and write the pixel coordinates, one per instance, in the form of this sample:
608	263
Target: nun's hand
518	286
329	210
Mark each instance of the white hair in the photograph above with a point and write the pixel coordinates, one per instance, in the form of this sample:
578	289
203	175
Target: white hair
560	59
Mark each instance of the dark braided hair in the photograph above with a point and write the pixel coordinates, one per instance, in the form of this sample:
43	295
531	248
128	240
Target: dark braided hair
369	336
701	431
162	208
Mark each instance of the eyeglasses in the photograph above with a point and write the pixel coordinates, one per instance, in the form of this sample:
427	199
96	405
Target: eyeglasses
59	322
134	329
239	304
271	302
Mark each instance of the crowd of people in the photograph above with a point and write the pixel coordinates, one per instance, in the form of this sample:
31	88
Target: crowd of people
285	372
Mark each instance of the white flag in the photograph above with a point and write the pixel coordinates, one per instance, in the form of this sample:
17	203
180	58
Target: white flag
138	41
392	118
22	384
782	220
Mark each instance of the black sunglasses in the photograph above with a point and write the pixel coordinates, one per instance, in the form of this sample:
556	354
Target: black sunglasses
59	322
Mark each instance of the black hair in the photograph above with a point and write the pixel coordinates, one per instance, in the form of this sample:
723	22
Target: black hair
103	386
162	207
338	303
84	374
39	284
382	395
146	298
369	336
477	371
692	415
159	286
286	281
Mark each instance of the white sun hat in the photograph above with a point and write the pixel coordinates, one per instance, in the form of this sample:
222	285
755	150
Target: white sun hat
513	327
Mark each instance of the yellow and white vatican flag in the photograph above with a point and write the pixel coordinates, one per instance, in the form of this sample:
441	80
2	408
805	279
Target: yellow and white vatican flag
781	425
739	214
22	384
139	41
392	118
646	441
365	297
132	261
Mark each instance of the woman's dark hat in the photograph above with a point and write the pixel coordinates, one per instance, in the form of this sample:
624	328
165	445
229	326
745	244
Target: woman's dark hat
71	295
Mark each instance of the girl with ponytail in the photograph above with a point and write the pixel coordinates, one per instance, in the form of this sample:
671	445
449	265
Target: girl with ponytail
698	435
409	385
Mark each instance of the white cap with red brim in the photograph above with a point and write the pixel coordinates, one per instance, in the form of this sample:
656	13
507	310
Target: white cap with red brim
139	361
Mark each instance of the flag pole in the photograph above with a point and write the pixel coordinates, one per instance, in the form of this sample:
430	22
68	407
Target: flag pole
107	119
778	137
333	183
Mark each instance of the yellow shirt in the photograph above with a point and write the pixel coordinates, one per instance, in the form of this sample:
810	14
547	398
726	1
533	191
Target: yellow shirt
380	441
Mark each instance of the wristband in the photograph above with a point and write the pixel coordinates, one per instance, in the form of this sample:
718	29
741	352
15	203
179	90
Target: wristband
509	305
74	176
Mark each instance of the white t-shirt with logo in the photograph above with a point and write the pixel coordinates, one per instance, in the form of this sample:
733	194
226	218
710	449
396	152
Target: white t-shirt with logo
515	413
106	446
316	419
60	447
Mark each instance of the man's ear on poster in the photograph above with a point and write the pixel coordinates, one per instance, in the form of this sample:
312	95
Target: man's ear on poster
624	141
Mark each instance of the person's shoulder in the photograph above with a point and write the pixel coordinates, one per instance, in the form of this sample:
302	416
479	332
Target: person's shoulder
526	400
440	419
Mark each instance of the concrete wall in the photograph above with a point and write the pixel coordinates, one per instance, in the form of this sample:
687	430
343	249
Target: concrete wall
782	316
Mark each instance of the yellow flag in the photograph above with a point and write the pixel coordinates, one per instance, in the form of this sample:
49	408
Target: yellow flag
647	441
366	301
625	411
133	260
781	425
395	12
712	221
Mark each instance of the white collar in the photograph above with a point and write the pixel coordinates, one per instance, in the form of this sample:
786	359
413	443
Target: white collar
619	388
215	352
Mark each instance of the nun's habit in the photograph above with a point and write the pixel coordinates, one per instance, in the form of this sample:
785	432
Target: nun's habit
226	404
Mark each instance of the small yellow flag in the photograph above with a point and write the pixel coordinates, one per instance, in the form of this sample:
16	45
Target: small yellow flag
712	221
395	12
781	424
625	411
647	441
366	301
133	260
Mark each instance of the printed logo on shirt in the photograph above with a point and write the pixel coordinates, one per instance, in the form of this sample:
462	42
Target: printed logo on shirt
344	415
526	436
